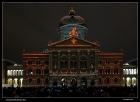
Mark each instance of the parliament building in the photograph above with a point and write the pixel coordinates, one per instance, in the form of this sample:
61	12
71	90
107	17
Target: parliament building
72	60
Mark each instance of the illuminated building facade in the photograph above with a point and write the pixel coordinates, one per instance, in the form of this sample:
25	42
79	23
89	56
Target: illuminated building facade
130	73
15	75
73	60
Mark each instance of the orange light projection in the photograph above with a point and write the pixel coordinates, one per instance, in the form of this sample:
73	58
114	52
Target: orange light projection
73	41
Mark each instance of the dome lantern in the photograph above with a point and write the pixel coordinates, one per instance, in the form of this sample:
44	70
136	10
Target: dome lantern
71	12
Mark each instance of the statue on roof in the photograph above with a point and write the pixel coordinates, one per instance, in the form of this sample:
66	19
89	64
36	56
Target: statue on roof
73	32
24	51
96	42
49	42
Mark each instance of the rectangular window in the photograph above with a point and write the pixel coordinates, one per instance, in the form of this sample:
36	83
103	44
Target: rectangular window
100	71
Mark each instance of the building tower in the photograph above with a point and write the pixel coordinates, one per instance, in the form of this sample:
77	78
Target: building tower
73	59
72	22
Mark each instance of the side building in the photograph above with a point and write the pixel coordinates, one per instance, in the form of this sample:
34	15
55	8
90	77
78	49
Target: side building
130	73
36	68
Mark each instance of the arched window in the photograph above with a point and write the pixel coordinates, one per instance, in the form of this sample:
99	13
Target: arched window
100	71
46	80
107	70
38	80
29	62
46	62
81	64
30	81
99	61
38	62
63	64
116	61
100	80
71	64
30	72
107	62
75	64
46	71
85	64
115	70
107	80
38	71
116	80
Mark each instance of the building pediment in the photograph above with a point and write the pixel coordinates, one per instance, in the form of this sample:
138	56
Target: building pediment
73	42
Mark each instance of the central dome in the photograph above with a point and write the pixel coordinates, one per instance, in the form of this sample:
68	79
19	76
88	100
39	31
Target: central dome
72	19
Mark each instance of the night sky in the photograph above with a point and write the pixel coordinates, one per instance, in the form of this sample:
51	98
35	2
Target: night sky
30	26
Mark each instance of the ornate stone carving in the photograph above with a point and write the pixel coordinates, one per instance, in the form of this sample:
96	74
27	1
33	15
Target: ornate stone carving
73	32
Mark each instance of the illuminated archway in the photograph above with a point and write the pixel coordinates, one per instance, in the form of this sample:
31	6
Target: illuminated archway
92	82
54	82
9	81
15	82
83	82
128	81
134	81
73	82
64	82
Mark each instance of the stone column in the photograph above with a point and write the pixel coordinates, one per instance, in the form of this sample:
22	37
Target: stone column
88	61
50	61
96	69
68	62
34	71
42	70
78	63
58	61
21	84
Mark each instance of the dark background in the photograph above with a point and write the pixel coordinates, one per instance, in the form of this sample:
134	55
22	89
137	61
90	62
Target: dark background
31	25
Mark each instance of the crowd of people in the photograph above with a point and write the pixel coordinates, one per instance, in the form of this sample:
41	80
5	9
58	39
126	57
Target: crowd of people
90	91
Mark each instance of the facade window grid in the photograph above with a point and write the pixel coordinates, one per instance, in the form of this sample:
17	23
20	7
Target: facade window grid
83	64
64	64
30	81
116	71
73	64
46	62
29	62
38	71
107	71
46	71
30	72
116	80
107	80
38	80
37	62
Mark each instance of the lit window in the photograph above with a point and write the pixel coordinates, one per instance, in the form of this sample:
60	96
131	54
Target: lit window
30	72
135	71
124	71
